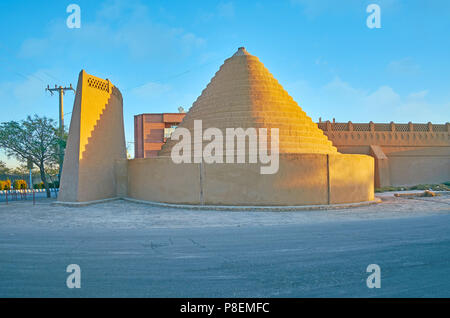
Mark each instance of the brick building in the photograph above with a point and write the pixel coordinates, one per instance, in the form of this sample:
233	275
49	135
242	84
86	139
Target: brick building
151	132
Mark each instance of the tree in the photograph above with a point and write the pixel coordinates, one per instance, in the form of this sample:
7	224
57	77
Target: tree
22	170
35	138
3	168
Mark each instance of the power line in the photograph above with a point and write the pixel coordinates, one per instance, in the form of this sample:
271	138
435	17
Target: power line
194	68
25	76
50	75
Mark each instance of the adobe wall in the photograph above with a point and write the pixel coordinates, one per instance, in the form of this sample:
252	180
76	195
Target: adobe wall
405	154
351	177
159	179
302	179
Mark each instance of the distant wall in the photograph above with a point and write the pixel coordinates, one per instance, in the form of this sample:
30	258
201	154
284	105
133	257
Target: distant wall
405	154
302	179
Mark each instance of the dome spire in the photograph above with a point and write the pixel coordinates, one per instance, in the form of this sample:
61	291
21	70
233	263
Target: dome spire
241	51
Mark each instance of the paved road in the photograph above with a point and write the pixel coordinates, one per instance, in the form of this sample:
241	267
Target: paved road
299	260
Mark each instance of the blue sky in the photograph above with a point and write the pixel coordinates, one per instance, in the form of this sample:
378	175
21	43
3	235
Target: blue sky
161	54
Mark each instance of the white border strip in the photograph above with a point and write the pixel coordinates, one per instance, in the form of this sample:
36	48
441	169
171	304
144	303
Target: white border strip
250	208
255	208
79	204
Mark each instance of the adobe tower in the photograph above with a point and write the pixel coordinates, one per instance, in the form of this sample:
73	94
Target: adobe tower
96	141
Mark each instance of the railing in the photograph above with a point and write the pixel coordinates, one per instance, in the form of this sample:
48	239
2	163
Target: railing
393	127
16	195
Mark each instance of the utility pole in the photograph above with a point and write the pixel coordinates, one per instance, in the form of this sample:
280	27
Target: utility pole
30	167
61	90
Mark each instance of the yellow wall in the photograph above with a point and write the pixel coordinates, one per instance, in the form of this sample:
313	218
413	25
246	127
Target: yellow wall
351	176
159	179
302	179
419	166
96	141
408	165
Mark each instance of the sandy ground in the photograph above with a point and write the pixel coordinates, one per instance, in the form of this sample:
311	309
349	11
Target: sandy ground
127	215
133	250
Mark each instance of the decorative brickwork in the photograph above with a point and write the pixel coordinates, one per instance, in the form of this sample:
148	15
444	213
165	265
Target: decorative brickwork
98	83
390	134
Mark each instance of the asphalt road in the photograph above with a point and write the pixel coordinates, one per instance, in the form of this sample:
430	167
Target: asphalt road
299	260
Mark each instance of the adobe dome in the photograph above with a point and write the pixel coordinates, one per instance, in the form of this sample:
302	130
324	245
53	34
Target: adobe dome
244	94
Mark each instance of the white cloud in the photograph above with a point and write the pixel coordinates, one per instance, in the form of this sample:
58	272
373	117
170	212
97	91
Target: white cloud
315	8
118	9
339	87
345	102
191	40
27	94
418	95
321	61
119	25
226	9
33	46
383	98
405	66
150	90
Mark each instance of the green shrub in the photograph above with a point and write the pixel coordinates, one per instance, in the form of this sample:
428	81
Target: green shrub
54	184
20	185
39	185
434	187
389	188
5	185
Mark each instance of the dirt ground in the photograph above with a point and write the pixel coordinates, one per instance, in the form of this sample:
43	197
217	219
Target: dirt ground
124	214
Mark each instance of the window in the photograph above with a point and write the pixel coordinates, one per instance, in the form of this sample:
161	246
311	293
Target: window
168	131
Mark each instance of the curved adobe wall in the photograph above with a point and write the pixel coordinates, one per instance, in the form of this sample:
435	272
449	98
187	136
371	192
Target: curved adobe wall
302	179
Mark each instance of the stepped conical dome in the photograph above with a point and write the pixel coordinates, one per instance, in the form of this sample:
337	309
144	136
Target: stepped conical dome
244	94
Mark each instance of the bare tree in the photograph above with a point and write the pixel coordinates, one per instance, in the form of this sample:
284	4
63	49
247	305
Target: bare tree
35	138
